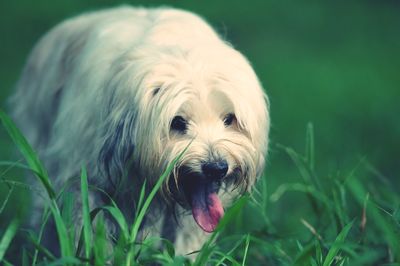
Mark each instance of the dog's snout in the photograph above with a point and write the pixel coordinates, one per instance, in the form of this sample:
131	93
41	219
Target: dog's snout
215	170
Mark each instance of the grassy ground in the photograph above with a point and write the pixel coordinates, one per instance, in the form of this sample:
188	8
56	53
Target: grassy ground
333	63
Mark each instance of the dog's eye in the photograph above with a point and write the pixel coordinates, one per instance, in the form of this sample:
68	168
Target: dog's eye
229	119
179	124
155	91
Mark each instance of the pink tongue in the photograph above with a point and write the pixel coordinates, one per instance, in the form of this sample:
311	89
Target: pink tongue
207	209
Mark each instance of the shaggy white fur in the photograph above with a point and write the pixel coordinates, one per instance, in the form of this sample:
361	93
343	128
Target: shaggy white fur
123	91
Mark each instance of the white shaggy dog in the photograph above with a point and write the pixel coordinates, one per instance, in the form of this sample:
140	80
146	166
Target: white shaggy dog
123	92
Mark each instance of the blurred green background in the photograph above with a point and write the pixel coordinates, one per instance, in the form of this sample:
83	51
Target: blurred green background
333	63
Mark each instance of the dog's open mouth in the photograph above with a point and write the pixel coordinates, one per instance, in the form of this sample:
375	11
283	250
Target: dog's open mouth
202	196
206	206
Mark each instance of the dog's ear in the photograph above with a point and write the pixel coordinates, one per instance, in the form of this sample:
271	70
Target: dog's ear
115	156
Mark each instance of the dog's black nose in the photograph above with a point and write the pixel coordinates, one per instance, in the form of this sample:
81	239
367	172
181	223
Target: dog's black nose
215	170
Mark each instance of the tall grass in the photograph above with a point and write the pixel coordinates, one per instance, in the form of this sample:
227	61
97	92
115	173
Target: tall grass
351	219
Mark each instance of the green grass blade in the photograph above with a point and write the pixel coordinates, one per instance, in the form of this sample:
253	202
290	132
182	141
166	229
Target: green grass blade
232	212
303	257
27	151
45	219
334	250
313	262
299	162
87	237
303	164
38	168
65	261
383	221
68	204
10	165
6	263
318	253
227	255
44	251
6	199
8	237
100	243
246	249
310	146
299	187
24	259
146	205
141	198
63	237
115	212
13	164
119	218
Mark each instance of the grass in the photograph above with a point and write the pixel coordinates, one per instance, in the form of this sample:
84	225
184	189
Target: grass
333	62
348	219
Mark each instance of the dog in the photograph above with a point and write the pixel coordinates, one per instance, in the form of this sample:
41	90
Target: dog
124	91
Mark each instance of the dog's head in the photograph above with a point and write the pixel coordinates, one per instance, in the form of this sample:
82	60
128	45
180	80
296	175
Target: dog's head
211	102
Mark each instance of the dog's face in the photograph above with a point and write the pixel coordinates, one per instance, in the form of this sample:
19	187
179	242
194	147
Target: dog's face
212	104
220	155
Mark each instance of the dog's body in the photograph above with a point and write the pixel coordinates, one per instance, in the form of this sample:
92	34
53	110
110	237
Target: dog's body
123	92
